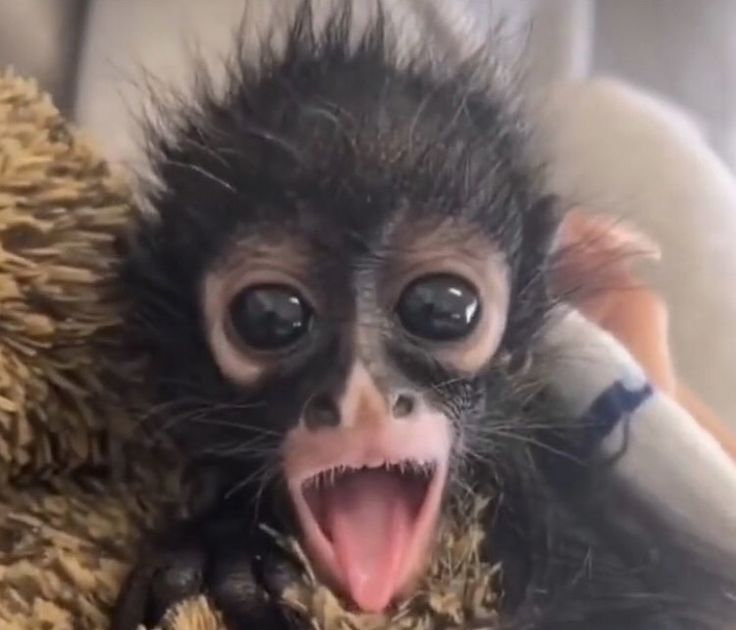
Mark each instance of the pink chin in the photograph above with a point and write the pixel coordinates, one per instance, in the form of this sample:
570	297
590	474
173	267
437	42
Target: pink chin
368	529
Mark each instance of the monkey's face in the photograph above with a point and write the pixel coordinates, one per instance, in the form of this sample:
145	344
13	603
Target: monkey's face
340	253
341	345
365	359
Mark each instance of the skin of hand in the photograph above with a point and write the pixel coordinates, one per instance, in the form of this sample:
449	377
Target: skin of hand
600	253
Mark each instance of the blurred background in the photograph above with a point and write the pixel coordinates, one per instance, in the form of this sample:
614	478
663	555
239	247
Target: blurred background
87	52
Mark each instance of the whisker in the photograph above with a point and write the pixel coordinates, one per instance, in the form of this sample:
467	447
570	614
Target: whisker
204	173
533	442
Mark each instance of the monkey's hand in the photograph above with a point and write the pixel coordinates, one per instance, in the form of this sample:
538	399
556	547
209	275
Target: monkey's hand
242	575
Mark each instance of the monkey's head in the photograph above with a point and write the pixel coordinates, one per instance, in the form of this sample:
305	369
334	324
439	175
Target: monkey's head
346	254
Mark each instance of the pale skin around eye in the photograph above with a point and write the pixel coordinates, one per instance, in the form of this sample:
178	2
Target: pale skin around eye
480	268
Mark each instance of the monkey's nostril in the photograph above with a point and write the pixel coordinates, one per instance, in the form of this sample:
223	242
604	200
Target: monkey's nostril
321	411
403	405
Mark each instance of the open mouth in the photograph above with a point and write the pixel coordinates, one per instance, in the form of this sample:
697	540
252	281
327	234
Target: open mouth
368	529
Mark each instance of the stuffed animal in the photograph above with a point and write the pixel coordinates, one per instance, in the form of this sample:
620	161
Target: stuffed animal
70	516
79	482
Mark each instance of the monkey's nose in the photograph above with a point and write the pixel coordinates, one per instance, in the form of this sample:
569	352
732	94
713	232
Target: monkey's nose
321	411
362	402
403	405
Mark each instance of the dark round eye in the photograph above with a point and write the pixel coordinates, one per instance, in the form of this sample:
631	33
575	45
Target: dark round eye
440	307
269	316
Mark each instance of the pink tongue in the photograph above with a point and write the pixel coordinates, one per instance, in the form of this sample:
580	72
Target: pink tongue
369	518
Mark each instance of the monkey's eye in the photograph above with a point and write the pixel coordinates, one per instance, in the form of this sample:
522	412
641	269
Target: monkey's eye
269	316
439	307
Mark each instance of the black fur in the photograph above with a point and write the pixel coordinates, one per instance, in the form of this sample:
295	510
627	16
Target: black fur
332	142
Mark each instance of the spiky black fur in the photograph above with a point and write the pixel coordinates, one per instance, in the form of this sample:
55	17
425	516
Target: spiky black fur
332	140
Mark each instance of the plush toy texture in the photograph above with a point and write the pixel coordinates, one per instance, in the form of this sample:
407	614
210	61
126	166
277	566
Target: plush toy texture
66	535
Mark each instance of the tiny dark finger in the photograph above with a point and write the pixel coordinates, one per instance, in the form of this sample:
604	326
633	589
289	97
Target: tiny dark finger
277	570
178	577
239	596
132	603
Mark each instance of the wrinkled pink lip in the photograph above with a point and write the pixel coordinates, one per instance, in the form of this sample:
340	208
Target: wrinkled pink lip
318	463
427	478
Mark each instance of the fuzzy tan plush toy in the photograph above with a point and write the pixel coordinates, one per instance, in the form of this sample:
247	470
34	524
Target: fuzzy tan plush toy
75	494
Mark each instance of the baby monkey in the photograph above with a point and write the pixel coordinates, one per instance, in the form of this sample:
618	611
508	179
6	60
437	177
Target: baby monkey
341	289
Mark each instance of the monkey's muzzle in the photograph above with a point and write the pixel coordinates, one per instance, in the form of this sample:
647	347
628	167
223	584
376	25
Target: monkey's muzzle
368	500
